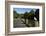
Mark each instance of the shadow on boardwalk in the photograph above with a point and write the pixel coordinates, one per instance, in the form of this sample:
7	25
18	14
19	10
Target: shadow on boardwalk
21	23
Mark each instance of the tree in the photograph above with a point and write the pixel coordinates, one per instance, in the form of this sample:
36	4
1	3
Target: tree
15	14
25	16
31	14
37	14
31	18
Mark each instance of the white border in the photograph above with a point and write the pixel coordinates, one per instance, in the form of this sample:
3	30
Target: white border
25	29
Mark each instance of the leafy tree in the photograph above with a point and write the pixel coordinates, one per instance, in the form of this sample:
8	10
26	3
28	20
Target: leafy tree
31	14
32	11
31	18
25	16
15	14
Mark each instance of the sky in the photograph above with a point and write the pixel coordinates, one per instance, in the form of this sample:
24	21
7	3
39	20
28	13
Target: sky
22	10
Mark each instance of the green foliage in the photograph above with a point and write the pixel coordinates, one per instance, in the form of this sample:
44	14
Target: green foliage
26	15
29	15
15	14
